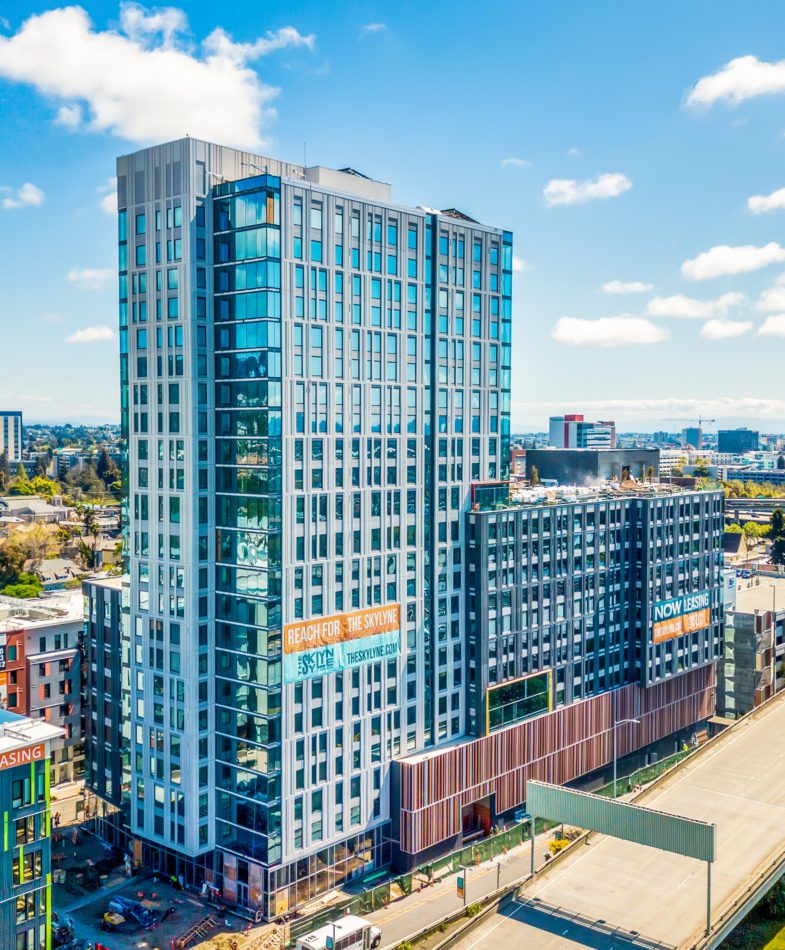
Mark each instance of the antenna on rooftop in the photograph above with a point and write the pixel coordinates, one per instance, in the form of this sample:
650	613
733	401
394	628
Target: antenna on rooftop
305	155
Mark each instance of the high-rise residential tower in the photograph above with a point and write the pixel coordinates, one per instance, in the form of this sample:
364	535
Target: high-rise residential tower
312	377
347	644
11	436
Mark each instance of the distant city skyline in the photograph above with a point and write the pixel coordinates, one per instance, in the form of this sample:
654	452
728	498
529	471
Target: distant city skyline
643	185
522	428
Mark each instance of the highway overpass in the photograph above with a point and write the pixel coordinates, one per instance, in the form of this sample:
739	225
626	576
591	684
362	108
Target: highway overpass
611	893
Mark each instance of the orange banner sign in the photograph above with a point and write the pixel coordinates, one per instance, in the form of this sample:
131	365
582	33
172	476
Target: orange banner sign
340	628
32	753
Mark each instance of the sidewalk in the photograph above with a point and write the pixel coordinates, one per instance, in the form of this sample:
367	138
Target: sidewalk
431	905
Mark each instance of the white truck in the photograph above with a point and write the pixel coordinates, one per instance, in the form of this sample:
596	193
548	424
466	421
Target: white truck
345	933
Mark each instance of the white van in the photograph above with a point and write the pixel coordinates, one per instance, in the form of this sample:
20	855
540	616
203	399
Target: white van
346	933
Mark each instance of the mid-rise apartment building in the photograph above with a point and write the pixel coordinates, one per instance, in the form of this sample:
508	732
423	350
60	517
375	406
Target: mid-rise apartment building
41	671
585	607
315	389
11	436
752	667
738	441
572	431
107	689
25	858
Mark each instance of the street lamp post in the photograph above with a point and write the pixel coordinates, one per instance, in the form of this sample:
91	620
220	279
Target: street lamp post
773	638
619	722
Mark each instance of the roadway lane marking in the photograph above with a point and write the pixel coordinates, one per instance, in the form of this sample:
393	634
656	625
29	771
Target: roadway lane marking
503	920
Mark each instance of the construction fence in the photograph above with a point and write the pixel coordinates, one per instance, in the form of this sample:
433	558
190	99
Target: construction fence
393	889
644	775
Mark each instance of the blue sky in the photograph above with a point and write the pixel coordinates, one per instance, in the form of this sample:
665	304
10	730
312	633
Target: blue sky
642	144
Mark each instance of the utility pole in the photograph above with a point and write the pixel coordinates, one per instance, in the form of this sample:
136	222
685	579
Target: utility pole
708	898
773	639
531	822
616	723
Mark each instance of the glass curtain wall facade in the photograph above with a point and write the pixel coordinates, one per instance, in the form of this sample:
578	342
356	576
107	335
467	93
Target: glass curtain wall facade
248	616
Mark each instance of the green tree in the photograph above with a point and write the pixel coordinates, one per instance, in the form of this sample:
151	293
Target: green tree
4	473
778	551
44	486
733	529
90	528
85	481
777	524
40	467
534	475
25	544
106	469
27	585
755	532
35	486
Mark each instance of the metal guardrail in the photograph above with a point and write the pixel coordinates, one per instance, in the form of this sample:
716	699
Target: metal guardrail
737	908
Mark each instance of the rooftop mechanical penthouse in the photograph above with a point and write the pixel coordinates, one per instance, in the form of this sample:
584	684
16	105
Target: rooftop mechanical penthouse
321	616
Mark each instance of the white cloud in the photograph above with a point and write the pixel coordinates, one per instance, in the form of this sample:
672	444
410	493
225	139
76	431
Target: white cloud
100	334
108	192
742	78
772	300
219	43
514	162
51	318
519	265
680	306
568	191
574	152
369	28
725	329
773	326
70	116
28	196
141	26
91	278
760	204
145	82
722	260
608	331
626	287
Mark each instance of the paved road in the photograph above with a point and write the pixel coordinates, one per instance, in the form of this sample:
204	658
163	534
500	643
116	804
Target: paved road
434	903
614	893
